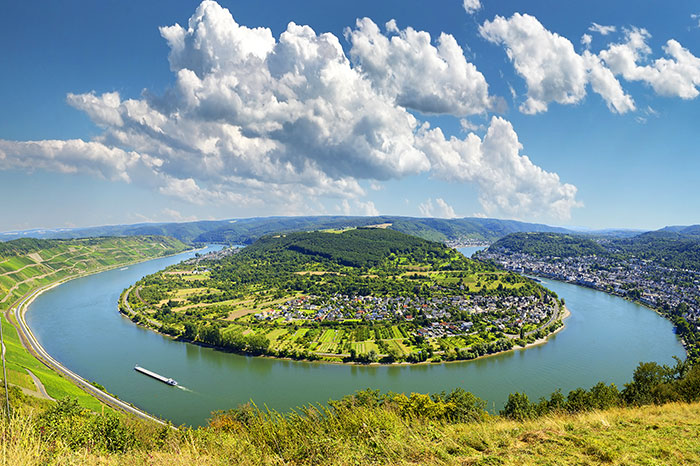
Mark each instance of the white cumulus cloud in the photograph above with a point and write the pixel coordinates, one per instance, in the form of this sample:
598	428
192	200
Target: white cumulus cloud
176	216
70	156
586	40
283	123
552	69
471	6
407	67
509	183
675	76
357	207
603	30
604	83
467	125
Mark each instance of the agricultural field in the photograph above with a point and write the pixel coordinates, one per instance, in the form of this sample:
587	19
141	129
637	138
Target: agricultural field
362	295
27	264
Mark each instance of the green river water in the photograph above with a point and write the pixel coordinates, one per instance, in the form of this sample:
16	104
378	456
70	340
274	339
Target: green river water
79	324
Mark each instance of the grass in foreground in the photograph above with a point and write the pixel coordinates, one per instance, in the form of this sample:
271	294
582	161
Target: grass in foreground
648	435
373	428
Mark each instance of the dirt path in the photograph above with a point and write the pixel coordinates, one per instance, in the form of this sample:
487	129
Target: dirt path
40	391
39	386
155	323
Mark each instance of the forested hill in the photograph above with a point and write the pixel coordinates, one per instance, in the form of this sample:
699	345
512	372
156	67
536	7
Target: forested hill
548	245
362	247
676	249
682	231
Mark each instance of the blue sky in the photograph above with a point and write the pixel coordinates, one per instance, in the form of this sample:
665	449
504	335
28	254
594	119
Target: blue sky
580	114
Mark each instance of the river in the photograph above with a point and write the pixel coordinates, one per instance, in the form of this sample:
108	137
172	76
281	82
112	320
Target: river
78	323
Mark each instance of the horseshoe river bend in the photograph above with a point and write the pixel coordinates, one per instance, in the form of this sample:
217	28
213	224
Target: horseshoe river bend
79	325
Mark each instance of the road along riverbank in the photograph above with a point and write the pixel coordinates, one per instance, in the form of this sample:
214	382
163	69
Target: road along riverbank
37	350
15	317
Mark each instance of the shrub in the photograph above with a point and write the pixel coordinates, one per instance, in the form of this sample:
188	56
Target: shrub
464	406
77	427
646	376
604	396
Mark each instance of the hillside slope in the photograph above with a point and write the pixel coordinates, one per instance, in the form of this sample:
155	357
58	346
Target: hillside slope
677	249
28	264
548	245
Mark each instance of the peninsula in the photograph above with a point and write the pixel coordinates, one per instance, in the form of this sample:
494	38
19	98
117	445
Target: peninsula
358	295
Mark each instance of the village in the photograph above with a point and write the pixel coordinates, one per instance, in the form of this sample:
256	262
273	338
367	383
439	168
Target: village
434	317
641	280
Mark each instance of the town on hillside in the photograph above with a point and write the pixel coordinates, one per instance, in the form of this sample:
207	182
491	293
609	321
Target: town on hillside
672	291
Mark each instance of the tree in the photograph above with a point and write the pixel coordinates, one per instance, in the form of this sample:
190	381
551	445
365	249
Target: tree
518	407
191	330
556	403
647	376
258	344
578	401
603	396
210	335
372	356
463	406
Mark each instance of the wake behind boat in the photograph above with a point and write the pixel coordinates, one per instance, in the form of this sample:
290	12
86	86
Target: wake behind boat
165	380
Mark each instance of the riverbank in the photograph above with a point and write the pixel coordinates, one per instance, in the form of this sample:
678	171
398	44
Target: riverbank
541	341
31	344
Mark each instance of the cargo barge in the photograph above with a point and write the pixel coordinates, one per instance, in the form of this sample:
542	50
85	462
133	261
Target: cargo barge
165	380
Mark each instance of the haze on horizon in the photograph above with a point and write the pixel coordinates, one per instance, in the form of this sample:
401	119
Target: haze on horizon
566	114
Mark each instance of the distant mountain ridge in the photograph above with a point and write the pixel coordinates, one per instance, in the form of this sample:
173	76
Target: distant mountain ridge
246	231
680	230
